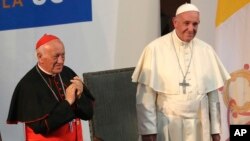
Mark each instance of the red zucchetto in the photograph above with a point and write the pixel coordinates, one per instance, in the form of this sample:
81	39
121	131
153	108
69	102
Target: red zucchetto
45	39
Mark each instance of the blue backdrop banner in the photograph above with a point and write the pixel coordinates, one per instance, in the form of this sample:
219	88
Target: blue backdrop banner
16	14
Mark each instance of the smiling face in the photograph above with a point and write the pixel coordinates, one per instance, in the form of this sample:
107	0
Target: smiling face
51	56
186	25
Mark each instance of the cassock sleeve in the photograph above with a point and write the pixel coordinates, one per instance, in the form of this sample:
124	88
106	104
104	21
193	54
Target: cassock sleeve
60	115
214	112
146	110
84	105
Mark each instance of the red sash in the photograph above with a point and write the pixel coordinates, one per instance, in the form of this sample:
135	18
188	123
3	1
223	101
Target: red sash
63	133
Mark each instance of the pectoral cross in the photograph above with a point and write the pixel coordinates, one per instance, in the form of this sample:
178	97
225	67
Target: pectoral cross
184	84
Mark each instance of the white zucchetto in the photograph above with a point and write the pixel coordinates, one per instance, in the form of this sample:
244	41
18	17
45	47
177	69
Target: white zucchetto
186	7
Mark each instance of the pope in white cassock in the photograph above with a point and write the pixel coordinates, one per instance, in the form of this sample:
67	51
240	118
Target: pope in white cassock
178	76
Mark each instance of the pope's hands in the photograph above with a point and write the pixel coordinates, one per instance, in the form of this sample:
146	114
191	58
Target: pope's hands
216	137
150	137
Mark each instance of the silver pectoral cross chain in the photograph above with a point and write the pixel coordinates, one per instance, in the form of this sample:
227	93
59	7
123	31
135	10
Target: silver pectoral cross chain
184	84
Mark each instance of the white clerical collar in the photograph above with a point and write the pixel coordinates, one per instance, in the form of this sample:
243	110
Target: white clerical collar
178	41
44	70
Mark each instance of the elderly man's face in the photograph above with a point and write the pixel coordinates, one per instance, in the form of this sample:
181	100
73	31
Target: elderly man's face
52	56
186	25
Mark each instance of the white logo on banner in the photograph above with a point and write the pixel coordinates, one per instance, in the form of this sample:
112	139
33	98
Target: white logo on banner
41	2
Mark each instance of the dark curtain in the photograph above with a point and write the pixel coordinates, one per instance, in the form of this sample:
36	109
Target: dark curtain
168	8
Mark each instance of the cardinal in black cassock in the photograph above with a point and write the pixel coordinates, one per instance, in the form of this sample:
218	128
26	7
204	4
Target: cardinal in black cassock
50	99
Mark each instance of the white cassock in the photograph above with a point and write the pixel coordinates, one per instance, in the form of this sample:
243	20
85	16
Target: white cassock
162	106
